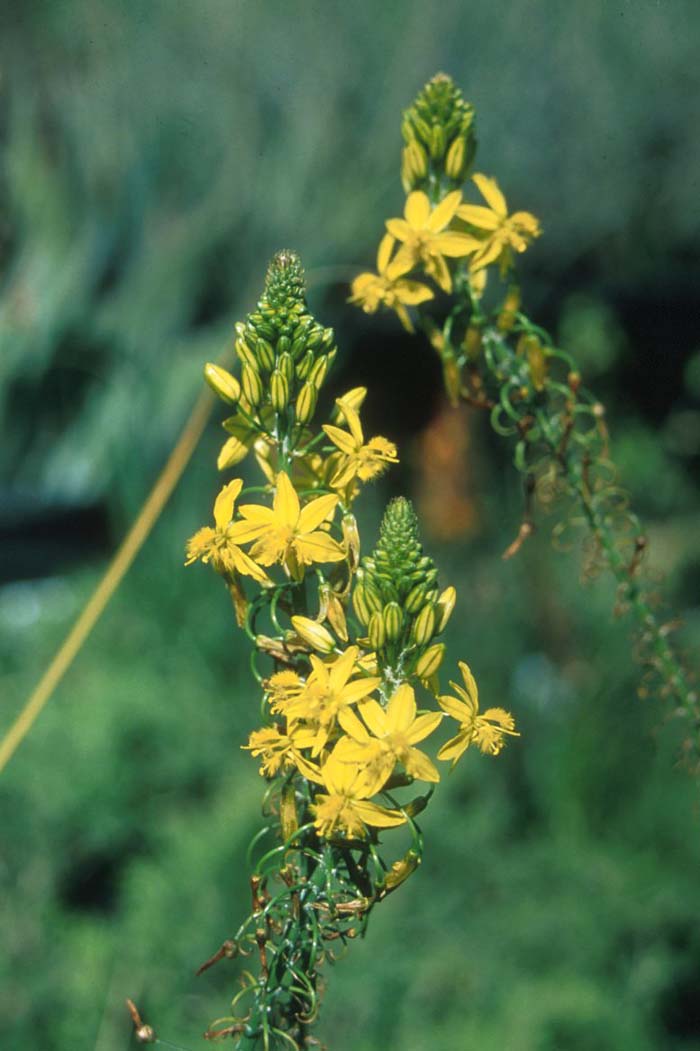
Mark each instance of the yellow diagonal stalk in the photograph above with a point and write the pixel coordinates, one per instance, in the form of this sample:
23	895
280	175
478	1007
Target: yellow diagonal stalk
118	567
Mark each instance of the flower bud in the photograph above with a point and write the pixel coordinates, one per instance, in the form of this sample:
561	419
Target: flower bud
437	142
306	364
429	661
472	342
313	634
424	626
279	391
393	621
251	385
265	354
289	819
351	536
336	616
232	452
454	161
359	604
222	383
284	346
285	363
375	630
245	354
319	371
415	599
306	403
446	603
511	305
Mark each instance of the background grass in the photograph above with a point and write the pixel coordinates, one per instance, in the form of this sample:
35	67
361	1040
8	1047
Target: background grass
153	157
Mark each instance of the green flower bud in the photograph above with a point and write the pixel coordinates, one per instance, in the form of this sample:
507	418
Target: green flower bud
305	365
306	403
319	371
245	353
393	621
375	630
285	364
265	354
251	385
430	661
279	391
424	626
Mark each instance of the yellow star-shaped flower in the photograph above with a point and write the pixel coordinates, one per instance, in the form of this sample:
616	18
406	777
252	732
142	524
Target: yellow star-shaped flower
486	731
219	545
388	285
344	807
287	532
394	734
279	751
358	459
330	690
425	236
504	233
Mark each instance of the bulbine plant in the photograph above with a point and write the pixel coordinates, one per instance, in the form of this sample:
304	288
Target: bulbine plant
347	657
357	728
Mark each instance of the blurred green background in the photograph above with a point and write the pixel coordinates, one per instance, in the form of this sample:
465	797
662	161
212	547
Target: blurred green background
153	156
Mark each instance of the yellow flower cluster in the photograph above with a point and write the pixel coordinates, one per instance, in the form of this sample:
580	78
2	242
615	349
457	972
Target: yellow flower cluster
429	234
339	732
341	701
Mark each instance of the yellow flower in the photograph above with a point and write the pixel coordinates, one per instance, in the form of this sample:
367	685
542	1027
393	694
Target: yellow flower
282	687
388	286
426	239
358	460
280	751
394	733
330	690
485	731
218	545
504	232
344	807
288	533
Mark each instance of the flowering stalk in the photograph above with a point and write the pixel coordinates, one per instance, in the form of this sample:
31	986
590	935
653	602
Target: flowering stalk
347	657
496	359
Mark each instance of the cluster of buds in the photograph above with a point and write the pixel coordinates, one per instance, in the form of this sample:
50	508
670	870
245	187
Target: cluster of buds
438	130
284	356
397	600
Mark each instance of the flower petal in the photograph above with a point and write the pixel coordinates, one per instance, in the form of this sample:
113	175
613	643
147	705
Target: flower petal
423	726
454	244
457	709
374	716
445	211
344	441
417	210
401	710
412	293
378	816
455	747
400	229
491	193
477	215
315	512
386	247
419	765
286	501
223	505
318	547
